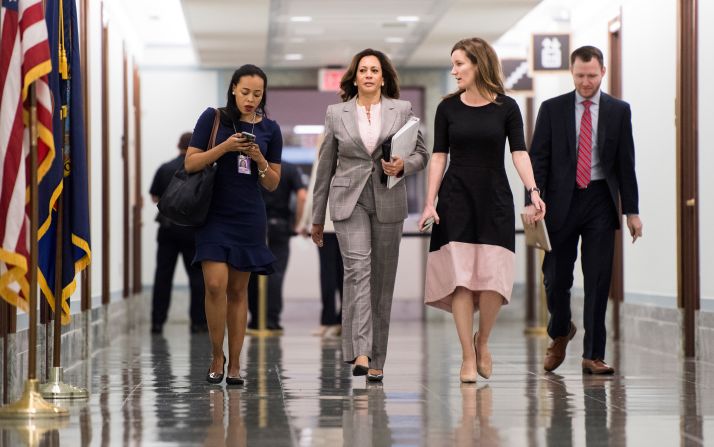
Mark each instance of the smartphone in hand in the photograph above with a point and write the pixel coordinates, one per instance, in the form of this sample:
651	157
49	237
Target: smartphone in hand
426	226
248	136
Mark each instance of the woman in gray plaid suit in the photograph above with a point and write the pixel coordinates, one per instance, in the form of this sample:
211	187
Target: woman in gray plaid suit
368	217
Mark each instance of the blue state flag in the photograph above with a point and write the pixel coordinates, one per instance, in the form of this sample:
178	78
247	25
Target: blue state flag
68	175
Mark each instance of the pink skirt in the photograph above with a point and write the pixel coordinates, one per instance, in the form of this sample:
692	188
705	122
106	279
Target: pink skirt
477	267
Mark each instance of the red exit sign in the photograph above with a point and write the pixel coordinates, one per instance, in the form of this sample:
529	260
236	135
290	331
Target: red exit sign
328	79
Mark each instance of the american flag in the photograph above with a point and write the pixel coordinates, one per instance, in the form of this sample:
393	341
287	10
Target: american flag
24	59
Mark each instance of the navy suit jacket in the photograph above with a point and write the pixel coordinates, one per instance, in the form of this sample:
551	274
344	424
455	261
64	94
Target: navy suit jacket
554	155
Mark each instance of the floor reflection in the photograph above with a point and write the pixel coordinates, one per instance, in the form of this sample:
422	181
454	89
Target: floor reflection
265	414
31	437
597	431
227	427
560	430
476	410
365	421
151	390
332	384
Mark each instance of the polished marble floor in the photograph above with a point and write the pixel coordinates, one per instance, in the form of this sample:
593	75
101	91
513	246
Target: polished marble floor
150	391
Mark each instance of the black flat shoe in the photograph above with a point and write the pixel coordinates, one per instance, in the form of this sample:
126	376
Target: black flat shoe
214	378
360	370
375	377
235	380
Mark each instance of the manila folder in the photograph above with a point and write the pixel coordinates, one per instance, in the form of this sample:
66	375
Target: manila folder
536	235
403	144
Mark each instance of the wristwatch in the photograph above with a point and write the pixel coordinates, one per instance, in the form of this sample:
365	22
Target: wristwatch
261	172
535	188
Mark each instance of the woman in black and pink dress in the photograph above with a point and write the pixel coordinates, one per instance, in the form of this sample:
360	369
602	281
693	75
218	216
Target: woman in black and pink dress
471	258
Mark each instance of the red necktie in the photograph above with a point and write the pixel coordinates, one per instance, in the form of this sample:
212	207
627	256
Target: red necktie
585	147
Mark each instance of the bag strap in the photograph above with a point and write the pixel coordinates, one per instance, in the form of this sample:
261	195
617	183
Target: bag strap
214	131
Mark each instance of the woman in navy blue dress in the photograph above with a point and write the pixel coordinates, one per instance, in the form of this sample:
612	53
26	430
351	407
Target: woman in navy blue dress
231	244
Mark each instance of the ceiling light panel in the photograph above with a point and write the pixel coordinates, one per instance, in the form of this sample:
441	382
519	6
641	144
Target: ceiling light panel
227	33
339	29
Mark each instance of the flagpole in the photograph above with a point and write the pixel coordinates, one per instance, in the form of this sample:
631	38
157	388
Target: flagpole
3	328
31	404
55	388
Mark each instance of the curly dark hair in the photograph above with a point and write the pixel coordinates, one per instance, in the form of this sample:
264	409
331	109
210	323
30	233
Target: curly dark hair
389	74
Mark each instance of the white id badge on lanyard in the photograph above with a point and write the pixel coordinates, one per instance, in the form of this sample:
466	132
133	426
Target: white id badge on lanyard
243	164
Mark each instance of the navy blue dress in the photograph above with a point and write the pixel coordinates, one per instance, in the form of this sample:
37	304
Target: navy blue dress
236	225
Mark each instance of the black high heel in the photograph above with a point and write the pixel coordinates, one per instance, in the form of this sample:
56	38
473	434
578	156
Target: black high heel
214	378
360	370
235	380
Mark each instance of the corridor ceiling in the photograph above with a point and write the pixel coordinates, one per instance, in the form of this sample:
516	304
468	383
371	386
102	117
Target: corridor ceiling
322	33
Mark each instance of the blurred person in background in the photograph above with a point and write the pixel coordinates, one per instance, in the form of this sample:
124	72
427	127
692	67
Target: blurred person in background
331	267
173	240
282	220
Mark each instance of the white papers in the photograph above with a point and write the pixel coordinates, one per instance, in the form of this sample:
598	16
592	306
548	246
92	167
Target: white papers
403	144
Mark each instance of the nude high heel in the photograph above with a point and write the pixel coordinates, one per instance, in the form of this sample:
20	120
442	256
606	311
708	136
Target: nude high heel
466	378
484	366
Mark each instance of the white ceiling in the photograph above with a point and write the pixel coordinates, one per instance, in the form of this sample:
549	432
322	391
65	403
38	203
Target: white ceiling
226	33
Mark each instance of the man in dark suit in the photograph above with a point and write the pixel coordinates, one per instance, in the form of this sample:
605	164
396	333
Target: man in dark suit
173	240
282	218
583	159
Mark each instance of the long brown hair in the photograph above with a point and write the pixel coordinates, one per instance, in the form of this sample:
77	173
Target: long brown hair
389	75
489	75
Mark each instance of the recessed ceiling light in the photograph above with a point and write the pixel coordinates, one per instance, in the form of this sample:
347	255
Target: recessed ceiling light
394	39
301	19
408	19
293	57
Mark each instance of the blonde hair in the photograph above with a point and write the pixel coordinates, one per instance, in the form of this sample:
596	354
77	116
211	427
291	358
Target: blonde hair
489	76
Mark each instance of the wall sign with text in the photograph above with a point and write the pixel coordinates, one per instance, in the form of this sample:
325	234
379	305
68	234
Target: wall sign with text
550	52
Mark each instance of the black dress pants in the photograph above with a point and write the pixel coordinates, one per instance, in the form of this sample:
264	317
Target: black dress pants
331	279
591	218
279	233
173	241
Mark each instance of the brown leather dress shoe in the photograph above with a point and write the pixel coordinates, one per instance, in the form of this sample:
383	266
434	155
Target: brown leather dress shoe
597	366
555	354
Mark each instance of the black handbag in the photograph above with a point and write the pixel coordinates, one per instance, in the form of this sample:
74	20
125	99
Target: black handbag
188	196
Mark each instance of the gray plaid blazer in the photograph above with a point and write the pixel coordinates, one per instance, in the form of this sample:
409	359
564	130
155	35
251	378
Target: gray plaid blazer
345	165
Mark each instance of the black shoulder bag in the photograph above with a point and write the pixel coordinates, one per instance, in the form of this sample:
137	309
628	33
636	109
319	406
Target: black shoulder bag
188	196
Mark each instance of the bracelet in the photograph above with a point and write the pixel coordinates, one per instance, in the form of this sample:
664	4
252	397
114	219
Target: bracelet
261	172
